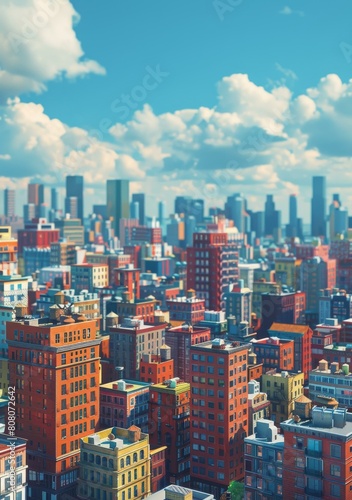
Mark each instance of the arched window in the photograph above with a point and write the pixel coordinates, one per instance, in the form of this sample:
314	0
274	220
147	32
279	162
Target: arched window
128	460
135	457
111	463
122	463
105	462
97	460
141	454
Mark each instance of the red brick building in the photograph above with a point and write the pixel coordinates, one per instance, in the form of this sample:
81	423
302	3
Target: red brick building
124	403
302	337
128	277
169	425
180	339
155	369
282	308
54	365
158	469
317	460
212	265
219	413
276	353
305	251
189	309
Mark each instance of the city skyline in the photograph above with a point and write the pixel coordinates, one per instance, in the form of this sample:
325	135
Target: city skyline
255	122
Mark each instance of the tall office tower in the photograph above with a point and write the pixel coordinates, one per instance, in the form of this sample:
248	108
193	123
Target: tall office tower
55	366
161	212
315	275
134	211
36	194
74	188
269	214
219	413
187	206
235	210
319	206
28	212
140	199
71	207
118	202
9	202
54	199
190	229
257	223
292	229
36	197
212	267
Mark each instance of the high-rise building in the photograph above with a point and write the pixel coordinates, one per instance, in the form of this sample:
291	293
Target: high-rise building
315	275
118	202
169	424
319	207
29	212
71	207
9	203
74	188
292	228
219	413
282	308
140	199
180	339
130	340
239	303
212	267
318	455
235	210
54	199
36	194
161	214
187	206
134	210
54	364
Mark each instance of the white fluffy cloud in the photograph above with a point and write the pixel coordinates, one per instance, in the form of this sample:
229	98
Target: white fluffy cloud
38	44
254	140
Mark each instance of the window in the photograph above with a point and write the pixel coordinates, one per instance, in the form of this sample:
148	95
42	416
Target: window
335	450
335	490
335	470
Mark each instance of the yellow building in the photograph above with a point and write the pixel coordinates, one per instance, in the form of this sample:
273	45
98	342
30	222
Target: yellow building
260	287
287	271
282	390
115	464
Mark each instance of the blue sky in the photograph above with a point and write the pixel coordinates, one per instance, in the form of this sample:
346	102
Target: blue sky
242	100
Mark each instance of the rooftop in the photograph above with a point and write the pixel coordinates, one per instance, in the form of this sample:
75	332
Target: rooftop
329	421
125	385
221	345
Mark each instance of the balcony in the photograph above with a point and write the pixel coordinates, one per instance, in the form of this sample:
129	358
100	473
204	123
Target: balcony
313	472
313	493
313	453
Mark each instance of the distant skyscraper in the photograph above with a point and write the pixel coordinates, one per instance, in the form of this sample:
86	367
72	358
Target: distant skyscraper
292	226
187	206
161	212
36	194
319	206
140	199
272	217
71	207
74	187
235	210
9	202
28	212
134	210
36	197
118	202
54	199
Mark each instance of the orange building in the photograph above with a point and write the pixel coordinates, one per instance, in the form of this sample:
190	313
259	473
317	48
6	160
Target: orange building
128	277
54	364
8	252
157	368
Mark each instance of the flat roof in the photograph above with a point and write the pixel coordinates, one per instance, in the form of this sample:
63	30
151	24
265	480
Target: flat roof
131	385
